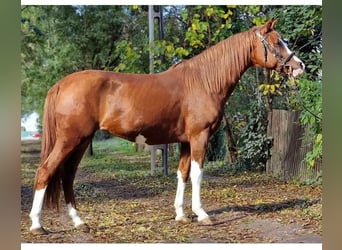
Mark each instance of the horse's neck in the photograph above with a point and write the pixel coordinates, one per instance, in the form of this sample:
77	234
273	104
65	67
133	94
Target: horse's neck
243	53
232	80
219	68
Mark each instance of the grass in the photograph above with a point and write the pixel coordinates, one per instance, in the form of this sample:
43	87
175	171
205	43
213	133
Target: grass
118	157
115	144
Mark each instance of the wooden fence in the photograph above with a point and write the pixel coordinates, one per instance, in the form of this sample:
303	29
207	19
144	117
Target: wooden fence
289	147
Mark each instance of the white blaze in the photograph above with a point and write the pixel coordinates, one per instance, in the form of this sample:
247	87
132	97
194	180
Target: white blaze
37	208
298	71
196	174
289	52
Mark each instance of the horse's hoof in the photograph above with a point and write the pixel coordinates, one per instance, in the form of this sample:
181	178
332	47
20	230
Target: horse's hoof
83	228
39	231
206	222
183	220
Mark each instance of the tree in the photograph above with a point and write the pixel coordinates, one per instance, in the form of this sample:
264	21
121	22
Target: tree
65	39
59	40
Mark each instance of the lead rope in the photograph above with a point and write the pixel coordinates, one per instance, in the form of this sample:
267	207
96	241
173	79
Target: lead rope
295	86
301	101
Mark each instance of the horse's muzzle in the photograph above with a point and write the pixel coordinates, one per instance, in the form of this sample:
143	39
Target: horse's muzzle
294	71
297	72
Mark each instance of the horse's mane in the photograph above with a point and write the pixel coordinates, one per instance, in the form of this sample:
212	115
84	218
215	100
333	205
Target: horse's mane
220	64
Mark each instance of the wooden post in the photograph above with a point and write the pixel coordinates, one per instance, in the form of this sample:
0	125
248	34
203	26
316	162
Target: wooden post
289	147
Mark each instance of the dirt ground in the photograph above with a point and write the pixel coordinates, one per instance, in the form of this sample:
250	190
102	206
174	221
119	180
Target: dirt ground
245	207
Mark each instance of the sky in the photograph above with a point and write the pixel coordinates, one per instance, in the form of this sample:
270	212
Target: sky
30	122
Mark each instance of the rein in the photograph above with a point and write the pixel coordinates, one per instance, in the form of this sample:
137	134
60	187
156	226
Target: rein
272	50
301	101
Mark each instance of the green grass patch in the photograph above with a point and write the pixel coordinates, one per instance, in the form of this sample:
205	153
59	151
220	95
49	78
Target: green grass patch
115	144
117	157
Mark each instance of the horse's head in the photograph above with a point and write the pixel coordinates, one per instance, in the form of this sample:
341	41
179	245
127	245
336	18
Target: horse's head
271	52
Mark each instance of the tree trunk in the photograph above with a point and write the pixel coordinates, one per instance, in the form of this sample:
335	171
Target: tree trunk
89	151
231	152
171	149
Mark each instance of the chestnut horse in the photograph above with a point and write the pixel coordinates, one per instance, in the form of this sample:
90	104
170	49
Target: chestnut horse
183	104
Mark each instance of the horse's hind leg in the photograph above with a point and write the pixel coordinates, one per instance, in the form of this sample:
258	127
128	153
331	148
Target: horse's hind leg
68	177
45	172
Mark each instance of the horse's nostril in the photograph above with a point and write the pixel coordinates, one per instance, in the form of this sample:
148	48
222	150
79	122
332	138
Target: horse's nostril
302	65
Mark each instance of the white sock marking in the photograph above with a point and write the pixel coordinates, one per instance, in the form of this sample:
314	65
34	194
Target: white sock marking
36	209
73	215
196	174
179	201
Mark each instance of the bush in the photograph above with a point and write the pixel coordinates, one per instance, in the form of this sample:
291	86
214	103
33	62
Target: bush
102	135
254	145
217	147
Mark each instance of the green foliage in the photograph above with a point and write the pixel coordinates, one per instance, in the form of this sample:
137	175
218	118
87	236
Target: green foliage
255	146
317	151
268	88
200	27
217	147
302	27
130	58
310	103
59	40
207	25
247	112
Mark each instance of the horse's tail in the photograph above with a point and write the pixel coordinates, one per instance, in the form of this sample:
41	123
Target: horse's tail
53	190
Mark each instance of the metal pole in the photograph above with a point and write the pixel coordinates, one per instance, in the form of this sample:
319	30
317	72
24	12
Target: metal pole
151	35
152	15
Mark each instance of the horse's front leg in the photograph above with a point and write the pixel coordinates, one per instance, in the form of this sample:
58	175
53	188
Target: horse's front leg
182	176
198	148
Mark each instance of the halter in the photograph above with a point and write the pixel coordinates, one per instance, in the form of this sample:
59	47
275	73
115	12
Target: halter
272	50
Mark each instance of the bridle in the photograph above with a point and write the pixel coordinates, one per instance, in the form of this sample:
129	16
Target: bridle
272	50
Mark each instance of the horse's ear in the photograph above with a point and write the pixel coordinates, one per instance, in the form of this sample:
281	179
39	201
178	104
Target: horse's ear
274	22
267	27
